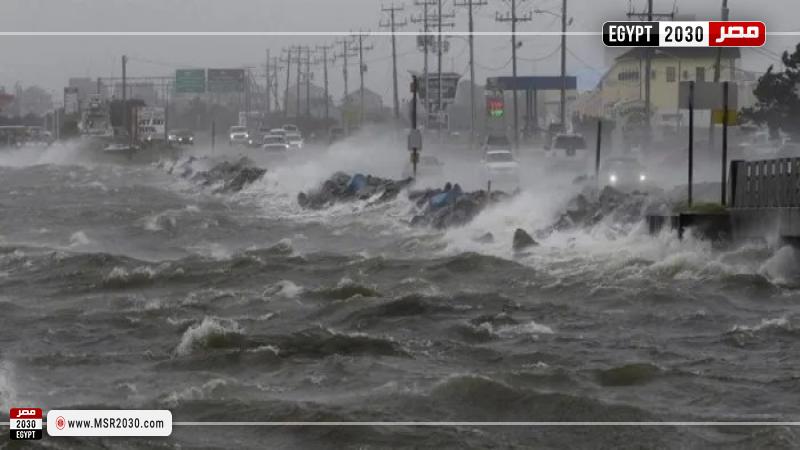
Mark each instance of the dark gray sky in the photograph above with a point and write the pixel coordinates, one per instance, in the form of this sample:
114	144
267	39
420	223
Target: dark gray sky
49	61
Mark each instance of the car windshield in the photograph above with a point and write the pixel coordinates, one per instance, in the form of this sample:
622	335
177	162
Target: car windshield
273	140
497	141
499	157
623	164
570	142
238	129
293	137
429	161
182	133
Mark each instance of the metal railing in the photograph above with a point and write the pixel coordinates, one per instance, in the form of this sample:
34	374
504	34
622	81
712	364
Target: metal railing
771	183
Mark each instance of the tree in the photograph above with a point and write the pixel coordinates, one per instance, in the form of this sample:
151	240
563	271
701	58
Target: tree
778	103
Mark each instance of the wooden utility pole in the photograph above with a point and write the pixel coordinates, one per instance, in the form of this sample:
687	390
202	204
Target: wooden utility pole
362	69
347	52
324	61
288	61
268	83
649	15
564	64
308	82
471	4
426	40
514	18
125	96
393	24
297	81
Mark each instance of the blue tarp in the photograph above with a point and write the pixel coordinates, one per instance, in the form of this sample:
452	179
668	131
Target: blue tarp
357	183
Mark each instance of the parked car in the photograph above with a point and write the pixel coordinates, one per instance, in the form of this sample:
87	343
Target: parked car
238	135
290	128
496	142
275	143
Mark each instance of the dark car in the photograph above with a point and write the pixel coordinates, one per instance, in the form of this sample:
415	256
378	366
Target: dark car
181	137
623	173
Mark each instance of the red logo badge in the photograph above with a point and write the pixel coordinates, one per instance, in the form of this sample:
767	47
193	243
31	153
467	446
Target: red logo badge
26	413
737	34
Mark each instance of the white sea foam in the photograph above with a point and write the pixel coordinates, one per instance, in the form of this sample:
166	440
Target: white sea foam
209	329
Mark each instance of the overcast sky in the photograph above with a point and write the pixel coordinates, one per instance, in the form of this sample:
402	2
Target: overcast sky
50	61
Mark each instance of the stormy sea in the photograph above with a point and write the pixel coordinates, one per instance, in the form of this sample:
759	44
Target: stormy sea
185	285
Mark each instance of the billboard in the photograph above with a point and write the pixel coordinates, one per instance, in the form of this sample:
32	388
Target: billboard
225	80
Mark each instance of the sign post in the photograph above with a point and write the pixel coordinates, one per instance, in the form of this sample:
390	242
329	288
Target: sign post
725	89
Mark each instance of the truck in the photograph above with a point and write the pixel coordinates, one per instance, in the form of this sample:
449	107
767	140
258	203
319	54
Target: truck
151	125
95	119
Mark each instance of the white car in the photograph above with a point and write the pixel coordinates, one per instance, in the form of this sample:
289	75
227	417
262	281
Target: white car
624	173
289	128
274	143
568	146
294	140
501	168
238	135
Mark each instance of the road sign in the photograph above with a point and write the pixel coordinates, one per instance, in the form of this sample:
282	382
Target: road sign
733	116
190	81
707	95
226	80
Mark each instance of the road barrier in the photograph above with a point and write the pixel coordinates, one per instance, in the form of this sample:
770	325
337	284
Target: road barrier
771	183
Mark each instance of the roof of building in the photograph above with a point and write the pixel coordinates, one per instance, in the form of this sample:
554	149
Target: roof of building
682	52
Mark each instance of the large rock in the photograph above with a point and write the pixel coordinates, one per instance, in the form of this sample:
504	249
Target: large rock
224	176
342	187
445	208
522	240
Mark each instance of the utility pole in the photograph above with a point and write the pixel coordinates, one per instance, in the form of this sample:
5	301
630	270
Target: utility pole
288	75
514	18
324	61
424	20
393	25
717	73
439	50
471	4
346	53
297	83
125	96
267	85
650	16
308	82
362	69
564	64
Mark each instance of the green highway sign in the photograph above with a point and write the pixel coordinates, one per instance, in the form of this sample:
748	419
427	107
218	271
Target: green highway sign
225	80
190	81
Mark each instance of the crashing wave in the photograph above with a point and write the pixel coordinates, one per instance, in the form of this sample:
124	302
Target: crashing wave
211	333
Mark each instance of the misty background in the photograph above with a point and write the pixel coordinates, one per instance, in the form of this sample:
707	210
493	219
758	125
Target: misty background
49	61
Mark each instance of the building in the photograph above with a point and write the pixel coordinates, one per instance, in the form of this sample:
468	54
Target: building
622	88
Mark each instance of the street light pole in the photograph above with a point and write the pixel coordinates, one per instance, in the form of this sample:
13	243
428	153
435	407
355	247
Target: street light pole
564	64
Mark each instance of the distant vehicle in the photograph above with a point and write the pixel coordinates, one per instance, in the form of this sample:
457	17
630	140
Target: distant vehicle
120	143
291	128
335	134
569	146
553	130
623	173
95	119
428	167
181	137
274	143
12	136
38	137
496	142
501	168
294	140
238	135
278	131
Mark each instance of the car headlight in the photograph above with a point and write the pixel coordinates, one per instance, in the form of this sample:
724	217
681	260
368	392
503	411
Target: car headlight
191	138
250	142
231	136
642	177
612	178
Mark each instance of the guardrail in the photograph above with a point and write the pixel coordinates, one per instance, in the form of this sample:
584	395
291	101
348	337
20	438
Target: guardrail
771	183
